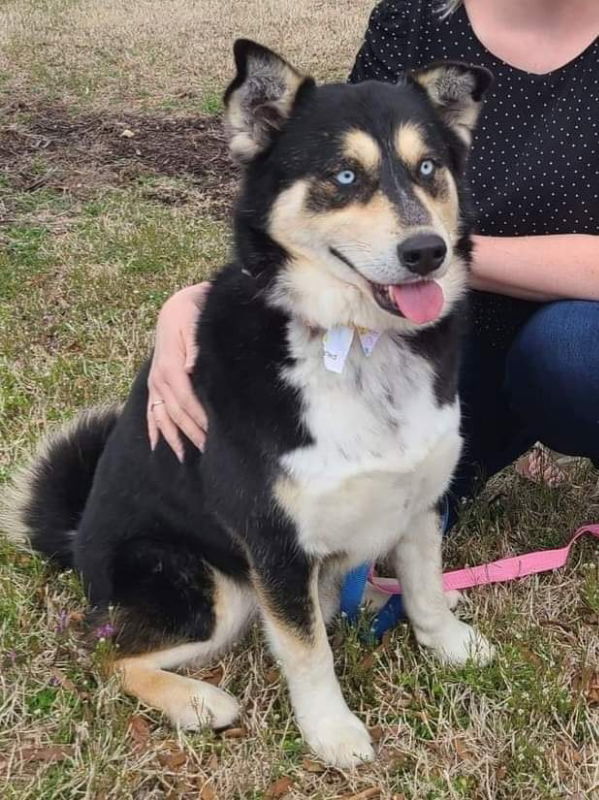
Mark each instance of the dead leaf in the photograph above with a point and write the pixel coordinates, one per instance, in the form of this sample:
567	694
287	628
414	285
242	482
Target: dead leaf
368	662
139	730
214	676
463	752
172	759
568	755
62	680
376	733
587	684
366	794
212	763
207	792
591	692
235	733
531	657
312	766
278	788
271	676
399	760
47	754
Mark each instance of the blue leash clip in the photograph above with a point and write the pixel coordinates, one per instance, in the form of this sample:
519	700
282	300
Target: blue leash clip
352	594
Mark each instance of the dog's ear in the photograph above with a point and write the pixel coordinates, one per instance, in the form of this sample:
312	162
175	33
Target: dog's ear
456	90
259	99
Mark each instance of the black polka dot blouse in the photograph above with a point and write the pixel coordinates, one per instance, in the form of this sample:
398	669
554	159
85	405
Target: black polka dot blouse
534	165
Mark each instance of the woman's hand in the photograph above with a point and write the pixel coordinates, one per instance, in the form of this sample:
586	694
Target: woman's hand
172	403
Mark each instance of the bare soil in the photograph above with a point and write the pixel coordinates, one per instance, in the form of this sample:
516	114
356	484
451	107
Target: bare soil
48	146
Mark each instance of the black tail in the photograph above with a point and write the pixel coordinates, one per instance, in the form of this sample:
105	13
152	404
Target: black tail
45	501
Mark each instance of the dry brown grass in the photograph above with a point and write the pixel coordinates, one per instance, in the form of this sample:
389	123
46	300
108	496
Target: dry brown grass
522	729
154	52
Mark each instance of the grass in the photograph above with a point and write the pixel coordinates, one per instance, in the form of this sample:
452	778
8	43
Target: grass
154	54
85	263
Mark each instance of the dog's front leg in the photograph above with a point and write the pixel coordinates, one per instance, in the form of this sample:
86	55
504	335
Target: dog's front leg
418	565
288	592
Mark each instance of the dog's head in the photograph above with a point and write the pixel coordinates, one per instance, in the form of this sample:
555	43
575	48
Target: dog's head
351	209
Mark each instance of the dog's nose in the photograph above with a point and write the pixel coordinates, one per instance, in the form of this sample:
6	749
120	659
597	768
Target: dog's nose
422	253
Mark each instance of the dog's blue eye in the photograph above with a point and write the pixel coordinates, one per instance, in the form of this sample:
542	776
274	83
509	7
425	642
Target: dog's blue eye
345	177
426	168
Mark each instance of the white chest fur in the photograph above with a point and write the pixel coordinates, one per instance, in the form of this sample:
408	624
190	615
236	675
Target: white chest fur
383	450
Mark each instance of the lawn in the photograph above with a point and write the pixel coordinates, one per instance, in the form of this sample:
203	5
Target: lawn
115	190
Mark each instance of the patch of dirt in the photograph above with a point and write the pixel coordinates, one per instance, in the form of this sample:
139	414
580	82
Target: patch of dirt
48	146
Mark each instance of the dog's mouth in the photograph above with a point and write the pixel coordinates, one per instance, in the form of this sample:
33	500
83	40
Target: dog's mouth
419	301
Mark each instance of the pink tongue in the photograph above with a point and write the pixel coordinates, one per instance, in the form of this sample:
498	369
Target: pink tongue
419	302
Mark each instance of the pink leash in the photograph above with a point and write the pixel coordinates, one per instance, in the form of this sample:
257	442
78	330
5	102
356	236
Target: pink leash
506	569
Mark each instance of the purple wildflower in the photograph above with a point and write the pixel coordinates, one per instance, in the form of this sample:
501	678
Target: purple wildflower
105	631
63	621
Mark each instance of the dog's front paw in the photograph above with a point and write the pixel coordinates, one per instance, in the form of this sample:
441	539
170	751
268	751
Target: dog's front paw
201	705
340	740
459	643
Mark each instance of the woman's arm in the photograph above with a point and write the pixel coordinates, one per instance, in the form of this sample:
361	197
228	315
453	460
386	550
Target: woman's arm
540	268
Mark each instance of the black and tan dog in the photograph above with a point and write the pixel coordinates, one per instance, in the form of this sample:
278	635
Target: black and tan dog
328	357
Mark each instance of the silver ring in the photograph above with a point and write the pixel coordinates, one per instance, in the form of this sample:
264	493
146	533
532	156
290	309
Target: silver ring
156	403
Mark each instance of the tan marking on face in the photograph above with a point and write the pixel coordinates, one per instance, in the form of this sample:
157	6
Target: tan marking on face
410	144
363	221
301	231
363	232
444	207
363	148
323	289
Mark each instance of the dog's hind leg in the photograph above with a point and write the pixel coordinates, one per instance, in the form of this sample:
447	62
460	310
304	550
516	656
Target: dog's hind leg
190	703
294	624
417	560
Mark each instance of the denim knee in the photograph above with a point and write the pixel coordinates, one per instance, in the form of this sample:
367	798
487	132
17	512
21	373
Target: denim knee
552	376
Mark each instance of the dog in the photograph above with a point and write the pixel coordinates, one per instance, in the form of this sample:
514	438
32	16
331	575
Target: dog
328	358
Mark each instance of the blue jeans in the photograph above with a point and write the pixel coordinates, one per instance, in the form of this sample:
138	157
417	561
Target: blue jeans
543	386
